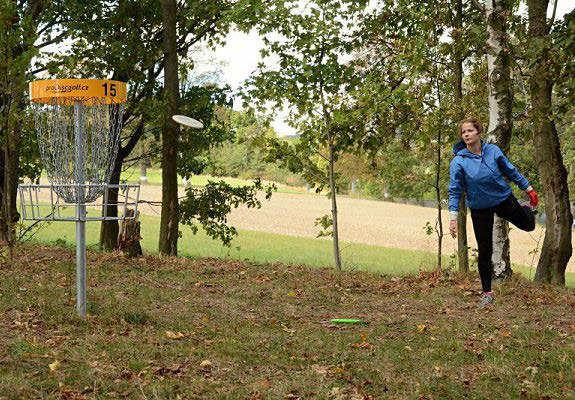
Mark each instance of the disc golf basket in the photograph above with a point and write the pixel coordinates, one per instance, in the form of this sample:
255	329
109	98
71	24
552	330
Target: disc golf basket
78	124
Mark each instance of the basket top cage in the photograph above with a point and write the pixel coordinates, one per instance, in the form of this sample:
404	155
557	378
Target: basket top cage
78	124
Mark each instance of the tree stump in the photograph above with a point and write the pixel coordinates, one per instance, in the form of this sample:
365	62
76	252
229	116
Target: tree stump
129	236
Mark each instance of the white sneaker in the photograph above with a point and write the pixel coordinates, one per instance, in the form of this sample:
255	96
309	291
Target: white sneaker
486	301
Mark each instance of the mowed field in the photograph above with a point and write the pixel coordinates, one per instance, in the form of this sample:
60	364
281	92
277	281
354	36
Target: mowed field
370	222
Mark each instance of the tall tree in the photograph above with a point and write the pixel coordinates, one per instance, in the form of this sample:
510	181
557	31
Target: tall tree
411	93
313	79
457	60
26	27
113	48
557	248
500	111
169	223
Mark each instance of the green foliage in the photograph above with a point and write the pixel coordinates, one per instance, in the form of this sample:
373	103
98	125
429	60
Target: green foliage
124	40
401	94
243	156
209	206
311	78
428	228
18	34
314	79
325	223
194	144
372	189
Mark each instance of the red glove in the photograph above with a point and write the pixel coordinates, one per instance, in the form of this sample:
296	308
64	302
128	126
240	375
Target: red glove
533	200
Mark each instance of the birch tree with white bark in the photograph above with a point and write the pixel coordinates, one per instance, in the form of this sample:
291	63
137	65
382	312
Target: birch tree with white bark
500	99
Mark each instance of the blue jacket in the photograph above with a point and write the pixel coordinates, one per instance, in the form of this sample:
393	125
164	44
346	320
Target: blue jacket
481	176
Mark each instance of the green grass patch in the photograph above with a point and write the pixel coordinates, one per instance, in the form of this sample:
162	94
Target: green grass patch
262	247
154	175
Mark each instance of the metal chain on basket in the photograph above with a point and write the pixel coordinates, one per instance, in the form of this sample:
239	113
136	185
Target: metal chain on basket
100	124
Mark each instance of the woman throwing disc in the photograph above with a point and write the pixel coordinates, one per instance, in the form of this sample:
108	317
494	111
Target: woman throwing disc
479	169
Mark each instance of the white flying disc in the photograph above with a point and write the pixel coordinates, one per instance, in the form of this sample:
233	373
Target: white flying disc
187	121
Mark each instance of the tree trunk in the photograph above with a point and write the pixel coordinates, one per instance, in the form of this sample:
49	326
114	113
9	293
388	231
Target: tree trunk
10	160
129	237
462	247
438	197
557	248
109	229
500	113
17	39
143	171
169	222
333	191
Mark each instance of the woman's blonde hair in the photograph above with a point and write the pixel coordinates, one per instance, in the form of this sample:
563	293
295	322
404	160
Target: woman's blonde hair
475	122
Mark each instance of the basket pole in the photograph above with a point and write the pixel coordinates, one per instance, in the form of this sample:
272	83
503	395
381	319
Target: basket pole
80	213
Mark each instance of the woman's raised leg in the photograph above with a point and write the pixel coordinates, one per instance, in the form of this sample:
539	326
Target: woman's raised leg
520	216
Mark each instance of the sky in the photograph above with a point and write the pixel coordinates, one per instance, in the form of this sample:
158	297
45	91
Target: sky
238	59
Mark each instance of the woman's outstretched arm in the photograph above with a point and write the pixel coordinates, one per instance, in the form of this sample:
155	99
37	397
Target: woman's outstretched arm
509	170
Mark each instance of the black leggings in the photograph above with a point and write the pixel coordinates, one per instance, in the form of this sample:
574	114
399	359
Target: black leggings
510	210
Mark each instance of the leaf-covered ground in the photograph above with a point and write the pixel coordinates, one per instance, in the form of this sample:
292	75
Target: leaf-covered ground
172	328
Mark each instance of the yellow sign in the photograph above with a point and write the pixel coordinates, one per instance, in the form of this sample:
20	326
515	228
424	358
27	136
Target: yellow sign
85	91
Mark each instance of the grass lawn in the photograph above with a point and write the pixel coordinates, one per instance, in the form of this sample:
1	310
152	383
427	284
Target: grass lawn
172	328
262	247
259	247
154	175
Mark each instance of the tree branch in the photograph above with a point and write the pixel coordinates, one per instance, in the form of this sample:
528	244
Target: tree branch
44	68
478	5
134	138
148	86
552	20
53	40
48	26
184	45
319	153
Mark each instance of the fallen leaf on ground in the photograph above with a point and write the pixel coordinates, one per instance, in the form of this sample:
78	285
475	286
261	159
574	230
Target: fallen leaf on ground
206	365
336	393
319	369
361	345
265	384
54	366
174	335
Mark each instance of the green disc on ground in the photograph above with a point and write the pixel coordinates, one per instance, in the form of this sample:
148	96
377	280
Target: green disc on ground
347	321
